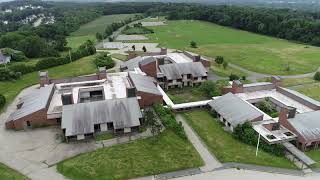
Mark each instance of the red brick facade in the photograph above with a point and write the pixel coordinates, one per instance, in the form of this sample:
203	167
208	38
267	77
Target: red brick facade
36	119
148	99
150	69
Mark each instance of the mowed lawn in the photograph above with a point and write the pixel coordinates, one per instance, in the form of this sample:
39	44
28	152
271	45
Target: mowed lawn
225	147
315	155
88	31
252	51
164	153
10	89
7	173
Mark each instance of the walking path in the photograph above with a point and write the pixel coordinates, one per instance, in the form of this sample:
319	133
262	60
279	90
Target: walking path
254	76
210	161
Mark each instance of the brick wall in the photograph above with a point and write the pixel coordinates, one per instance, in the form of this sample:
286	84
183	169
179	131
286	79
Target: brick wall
150	69
148	99
37	119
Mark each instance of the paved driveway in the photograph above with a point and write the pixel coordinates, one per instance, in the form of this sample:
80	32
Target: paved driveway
30	152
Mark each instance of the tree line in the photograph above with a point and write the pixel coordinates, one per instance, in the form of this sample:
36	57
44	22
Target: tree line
296	25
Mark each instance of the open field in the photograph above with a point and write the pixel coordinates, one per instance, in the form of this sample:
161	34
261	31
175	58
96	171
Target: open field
226	72
164	153
252	51
8	173
88	31
311	90
10	89
225	147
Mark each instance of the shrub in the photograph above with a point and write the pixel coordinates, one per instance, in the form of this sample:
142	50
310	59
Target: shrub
219	60
233	77
2	101
104	60
22	68
169	121
267	106
317	76
225	64
209	88
193	44
7	74
246	134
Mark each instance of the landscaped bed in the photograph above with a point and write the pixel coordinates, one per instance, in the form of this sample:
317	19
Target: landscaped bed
7	173
164	153
225	147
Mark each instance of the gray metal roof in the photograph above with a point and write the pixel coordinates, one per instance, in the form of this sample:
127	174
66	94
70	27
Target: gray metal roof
234	109
135	62
144	83
176	70
315	102
307	124
33	102
78	119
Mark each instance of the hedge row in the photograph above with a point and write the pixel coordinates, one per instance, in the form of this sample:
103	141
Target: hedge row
2	101
15	70
169	121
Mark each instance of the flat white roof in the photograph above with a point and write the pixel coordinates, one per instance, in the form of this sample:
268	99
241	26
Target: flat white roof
179	57
277	96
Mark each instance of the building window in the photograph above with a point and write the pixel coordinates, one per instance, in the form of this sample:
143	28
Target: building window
110	125
28	124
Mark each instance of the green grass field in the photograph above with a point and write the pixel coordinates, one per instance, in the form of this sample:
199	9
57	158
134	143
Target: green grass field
7	173
312	90
88	31
315	155
160	154
252	51
10	89
225	147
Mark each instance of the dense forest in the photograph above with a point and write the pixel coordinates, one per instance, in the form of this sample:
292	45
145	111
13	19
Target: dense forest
48	39
288	24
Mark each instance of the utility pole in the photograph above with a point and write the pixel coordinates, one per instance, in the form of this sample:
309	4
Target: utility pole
258	145
70	55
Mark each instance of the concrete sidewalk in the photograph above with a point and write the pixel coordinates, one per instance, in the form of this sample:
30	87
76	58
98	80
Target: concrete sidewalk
210	161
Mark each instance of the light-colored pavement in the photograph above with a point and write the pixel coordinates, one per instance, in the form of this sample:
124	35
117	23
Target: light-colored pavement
232	174
211	162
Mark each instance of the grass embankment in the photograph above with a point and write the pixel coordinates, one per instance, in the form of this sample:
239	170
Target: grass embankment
164	153
88	31
315	155
104	136
10	89
225	147
252	51
7	173
120	57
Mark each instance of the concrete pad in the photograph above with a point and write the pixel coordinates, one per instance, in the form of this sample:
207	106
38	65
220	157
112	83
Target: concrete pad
131	38
155	23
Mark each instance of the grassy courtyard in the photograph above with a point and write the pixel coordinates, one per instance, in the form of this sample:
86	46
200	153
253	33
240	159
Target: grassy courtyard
164	153
10	89
8	173
225	147
88	31
252	51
